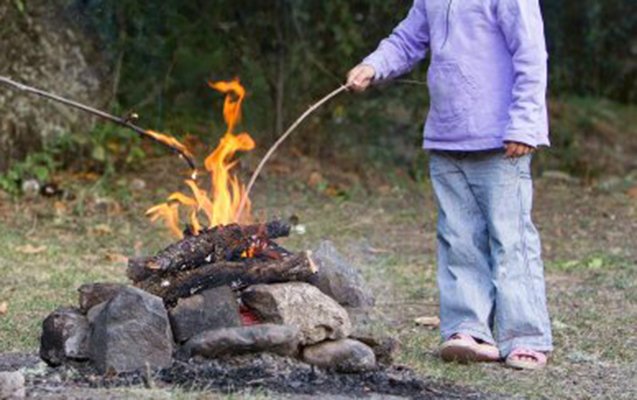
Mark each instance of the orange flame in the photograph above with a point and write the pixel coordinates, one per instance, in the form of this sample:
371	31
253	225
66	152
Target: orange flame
169	141
219	205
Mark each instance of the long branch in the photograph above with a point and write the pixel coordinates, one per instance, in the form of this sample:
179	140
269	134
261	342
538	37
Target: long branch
174	145
281	139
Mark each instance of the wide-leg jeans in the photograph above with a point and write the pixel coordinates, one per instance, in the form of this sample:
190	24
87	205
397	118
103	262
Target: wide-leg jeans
490	270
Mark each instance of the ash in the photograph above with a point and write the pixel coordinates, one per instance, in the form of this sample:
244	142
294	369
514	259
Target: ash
270	373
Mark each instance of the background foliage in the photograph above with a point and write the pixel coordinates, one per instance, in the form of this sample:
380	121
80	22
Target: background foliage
289	53
297	49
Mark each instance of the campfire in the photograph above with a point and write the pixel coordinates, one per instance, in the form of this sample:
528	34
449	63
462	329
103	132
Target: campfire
220	205
225	288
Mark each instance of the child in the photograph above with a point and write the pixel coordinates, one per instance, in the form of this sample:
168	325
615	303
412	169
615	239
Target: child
487	83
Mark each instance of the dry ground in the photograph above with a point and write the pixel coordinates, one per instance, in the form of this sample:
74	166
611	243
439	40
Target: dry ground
49	247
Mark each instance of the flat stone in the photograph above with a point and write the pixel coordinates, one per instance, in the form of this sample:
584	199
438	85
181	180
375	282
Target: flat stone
345	355
93	294
385	348
12	386
64	336
130	331
339	279
302	305
278	339
212	309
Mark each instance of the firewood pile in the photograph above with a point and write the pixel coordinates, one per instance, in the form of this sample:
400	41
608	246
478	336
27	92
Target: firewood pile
227	291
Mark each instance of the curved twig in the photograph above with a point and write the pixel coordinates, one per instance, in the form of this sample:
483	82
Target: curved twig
281	139
175	146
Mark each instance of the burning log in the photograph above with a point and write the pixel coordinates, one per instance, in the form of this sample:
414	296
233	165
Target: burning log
238	275
222	243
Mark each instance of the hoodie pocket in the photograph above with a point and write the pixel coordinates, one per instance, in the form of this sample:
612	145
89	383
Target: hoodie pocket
452	93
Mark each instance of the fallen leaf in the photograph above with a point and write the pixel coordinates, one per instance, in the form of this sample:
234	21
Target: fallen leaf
376	250
315	180
87	176
431	322
30	249
300	229
116	258
4	308
632	192
60	208
138	246
102	230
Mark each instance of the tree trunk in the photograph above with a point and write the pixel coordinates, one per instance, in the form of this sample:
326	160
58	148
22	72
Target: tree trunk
39	45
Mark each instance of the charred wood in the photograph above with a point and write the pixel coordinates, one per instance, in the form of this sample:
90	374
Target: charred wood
222	243
238	275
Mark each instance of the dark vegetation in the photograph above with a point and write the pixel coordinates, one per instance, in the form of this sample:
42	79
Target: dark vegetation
159	54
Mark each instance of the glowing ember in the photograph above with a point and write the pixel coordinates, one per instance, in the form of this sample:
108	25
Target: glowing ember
219	205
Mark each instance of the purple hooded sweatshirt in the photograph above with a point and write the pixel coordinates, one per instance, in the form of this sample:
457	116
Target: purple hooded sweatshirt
488	72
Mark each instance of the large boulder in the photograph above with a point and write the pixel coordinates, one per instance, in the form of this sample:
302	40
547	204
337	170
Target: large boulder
346	355
339	279
92	294
277	339
130	331
212	309
299	304
41	45
64	336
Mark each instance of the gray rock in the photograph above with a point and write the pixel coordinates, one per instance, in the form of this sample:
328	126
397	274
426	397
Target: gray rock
278	339
299	304
12	386
385	348
339	279
94	312
361	319
212	309
93	294
366	329
30	188
130	331
64	336
346	355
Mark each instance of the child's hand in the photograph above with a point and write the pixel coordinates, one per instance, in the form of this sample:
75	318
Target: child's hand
516	149
360	77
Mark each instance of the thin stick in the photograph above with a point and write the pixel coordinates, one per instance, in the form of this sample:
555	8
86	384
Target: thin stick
281	139
176	147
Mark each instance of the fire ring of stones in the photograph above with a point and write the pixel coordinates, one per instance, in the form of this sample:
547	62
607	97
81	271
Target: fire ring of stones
228	291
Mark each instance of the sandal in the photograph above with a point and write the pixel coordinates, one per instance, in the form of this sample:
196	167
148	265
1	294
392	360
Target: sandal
464	349
521	358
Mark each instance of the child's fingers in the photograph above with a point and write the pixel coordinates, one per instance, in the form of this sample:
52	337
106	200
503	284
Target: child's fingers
359	80
514	150
510	150
360	77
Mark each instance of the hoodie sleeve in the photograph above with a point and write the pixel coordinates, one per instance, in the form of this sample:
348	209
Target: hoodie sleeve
404	48
521	24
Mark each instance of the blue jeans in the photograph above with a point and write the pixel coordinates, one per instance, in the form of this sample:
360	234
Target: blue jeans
490	271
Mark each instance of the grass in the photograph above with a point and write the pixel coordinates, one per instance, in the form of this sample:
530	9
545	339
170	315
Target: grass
49	248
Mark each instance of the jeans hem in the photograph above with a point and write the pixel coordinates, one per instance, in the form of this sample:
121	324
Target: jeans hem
477	333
